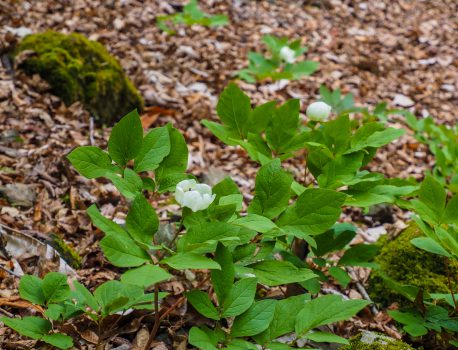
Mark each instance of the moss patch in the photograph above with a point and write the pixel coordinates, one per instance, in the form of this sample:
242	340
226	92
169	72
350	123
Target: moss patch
374	341
78	69
406	264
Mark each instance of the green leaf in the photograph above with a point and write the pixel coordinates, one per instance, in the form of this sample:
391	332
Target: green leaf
202	303
31	289
225	133
86	296
340	275
142	221
433	195
240	344
202	340
373	135
325	337
283	125
255	222
31	326
110	296
276	272
272	190
451	212
240	297
123	252
55	287
315	211
106	226
183	261
340	171
324	310
177	160
260	117
145	276
126	139
155	147
284	317
255	320
430	245
359	255
58	340
90	161
223	279
234	108
130	185
54	312
303	68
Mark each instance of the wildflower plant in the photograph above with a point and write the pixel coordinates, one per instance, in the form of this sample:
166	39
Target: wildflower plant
282	61
245	250
192	14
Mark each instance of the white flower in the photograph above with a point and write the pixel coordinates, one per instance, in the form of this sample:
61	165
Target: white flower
195	196
287	54
318	111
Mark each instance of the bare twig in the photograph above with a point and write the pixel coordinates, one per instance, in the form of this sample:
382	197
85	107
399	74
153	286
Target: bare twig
361	289
91	131
157	319
10	272
450	283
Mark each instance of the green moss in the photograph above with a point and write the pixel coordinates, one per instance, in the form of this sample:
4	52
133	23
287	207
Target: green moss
406	264
374	341
66	251
78	69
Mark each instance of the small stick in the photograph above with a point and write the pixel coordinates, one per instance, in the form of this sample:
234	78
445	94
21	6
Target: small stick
91	131
10	272
157	319
361	289
450	284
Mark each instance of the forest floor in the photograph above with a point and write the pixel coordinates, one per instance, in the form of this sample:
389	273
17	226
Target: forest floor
401	52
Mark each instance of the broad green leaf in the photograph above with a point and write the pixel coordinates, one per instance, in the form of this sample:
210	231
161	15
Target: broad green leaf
283	125
359	255
255	222
168	183
234	108
340	171
86	296
240	344
272	190
284	317
240	297
58	340
145	276
255	320
90	161
451	212
260	117
325	337
433	195
123	252
315	211
183	261
373	135
325	310
223	279
110	296
155	147
106	226
31	289
55	287
225	133
31	326
54	312
130	185
337	134
303	68
126	139
276	272
177	160
142	221
202	303
430	245
416	330
340	275
202	340
335	239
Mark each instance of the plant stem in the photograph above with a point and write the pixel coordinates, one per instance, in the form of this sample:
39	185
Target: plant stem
450	284
157	319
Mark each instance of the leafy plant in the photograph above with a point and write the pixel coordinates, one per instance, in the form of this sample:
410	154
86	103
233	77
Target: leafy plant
192	14
280	63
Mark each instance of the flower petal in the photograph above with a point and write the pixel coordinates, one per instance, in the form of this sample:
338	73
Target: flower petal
203	189
186	185
192	200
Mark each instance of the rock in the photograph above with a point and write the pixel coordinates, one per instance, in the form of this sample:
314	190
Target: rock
20	195
403	101
78	69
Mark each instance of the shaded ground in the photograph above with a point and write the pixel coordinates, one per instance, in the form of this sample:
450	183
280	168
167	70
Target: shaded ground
403	52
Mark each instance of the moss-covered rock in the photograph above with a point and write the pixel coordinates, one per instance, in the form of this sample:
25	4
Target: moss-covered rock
374	341
78	69
406	264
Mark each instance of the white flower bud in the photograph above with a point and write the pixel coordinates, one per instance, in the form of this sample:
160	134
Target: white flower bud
318	111
287	54
195	196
